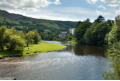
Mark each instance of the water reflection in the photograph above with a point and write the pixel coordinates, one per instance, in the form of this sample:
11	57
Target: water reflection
86	50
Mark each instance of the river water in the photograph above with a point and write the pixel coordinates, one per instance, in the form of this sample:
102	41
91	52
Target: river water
72	63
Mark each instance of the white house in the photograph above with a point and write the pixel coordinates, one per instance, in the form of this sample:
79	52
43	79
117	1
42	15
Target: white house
72	30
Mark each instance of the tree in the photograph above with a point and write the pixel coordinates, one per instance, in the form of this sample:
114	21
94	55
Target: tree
15	39
36	37
114	35
29	38
110	22
96	34
113	52
2	37
100	19
10	39
47	35
16	43
80	31
32	37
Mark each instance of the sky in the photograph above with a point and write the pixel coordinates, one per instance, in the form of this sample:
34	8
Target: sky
65	10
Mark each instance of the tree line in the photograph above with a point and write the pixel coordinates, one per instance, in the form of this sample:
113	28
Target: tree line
93	33
11	39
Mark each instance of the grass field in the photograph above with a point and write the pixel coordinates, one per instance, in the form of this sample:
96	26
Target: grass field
42	47
33	49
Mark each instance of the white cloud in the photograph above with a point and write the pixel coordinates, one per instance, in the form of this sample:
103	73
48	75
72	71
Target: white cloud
26	4
118	12
114	5
92	1
111	6
99	12
76	10
57	2
102	7
59	13
46	14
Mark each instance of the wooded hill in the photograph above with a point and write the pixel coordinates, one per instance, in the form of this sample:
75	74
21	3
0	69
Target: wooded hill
21	22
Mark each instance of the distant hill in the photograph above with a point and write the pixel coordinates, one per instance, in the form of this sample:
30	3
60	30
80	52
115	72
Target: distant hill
26	23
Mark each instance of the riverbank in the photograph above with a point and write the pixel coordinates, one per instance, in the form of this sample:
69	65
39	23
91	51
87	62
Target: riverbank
42	47
33	49
73	42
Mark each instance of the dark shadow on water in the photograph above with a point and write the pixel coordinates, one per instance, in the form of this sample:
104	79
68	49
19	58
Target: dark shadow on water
87	50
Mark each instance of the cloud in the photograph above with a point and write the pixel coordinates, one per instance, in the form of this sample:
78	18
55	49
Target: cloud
108	5
26	4
76	10
99	12
57	2
43	9
102	7
118	12
92	1
114	5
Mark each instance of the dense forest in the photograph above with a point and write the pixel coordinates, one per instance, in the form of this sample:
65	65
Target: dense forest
49	29
94	33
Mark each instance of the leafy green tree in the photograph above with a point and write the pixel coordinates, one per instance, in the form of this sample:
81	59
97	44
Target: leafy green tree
110	22
47	35
96	34
114	35
32	37
29	38
36	37
10	39
118	20
15	39
100	19
2	37
80	31
16	43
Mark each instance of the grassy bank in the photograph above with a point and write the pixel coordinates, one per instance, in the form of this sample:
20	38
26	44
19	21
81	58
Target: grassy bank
33	49
42	47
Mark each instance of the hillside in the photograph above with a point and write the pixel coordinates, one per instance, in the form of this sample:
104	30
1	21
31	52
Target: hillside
26	23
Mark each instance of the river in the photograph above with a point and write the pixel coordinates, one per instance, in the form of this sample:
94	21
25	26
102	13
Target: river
74	62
